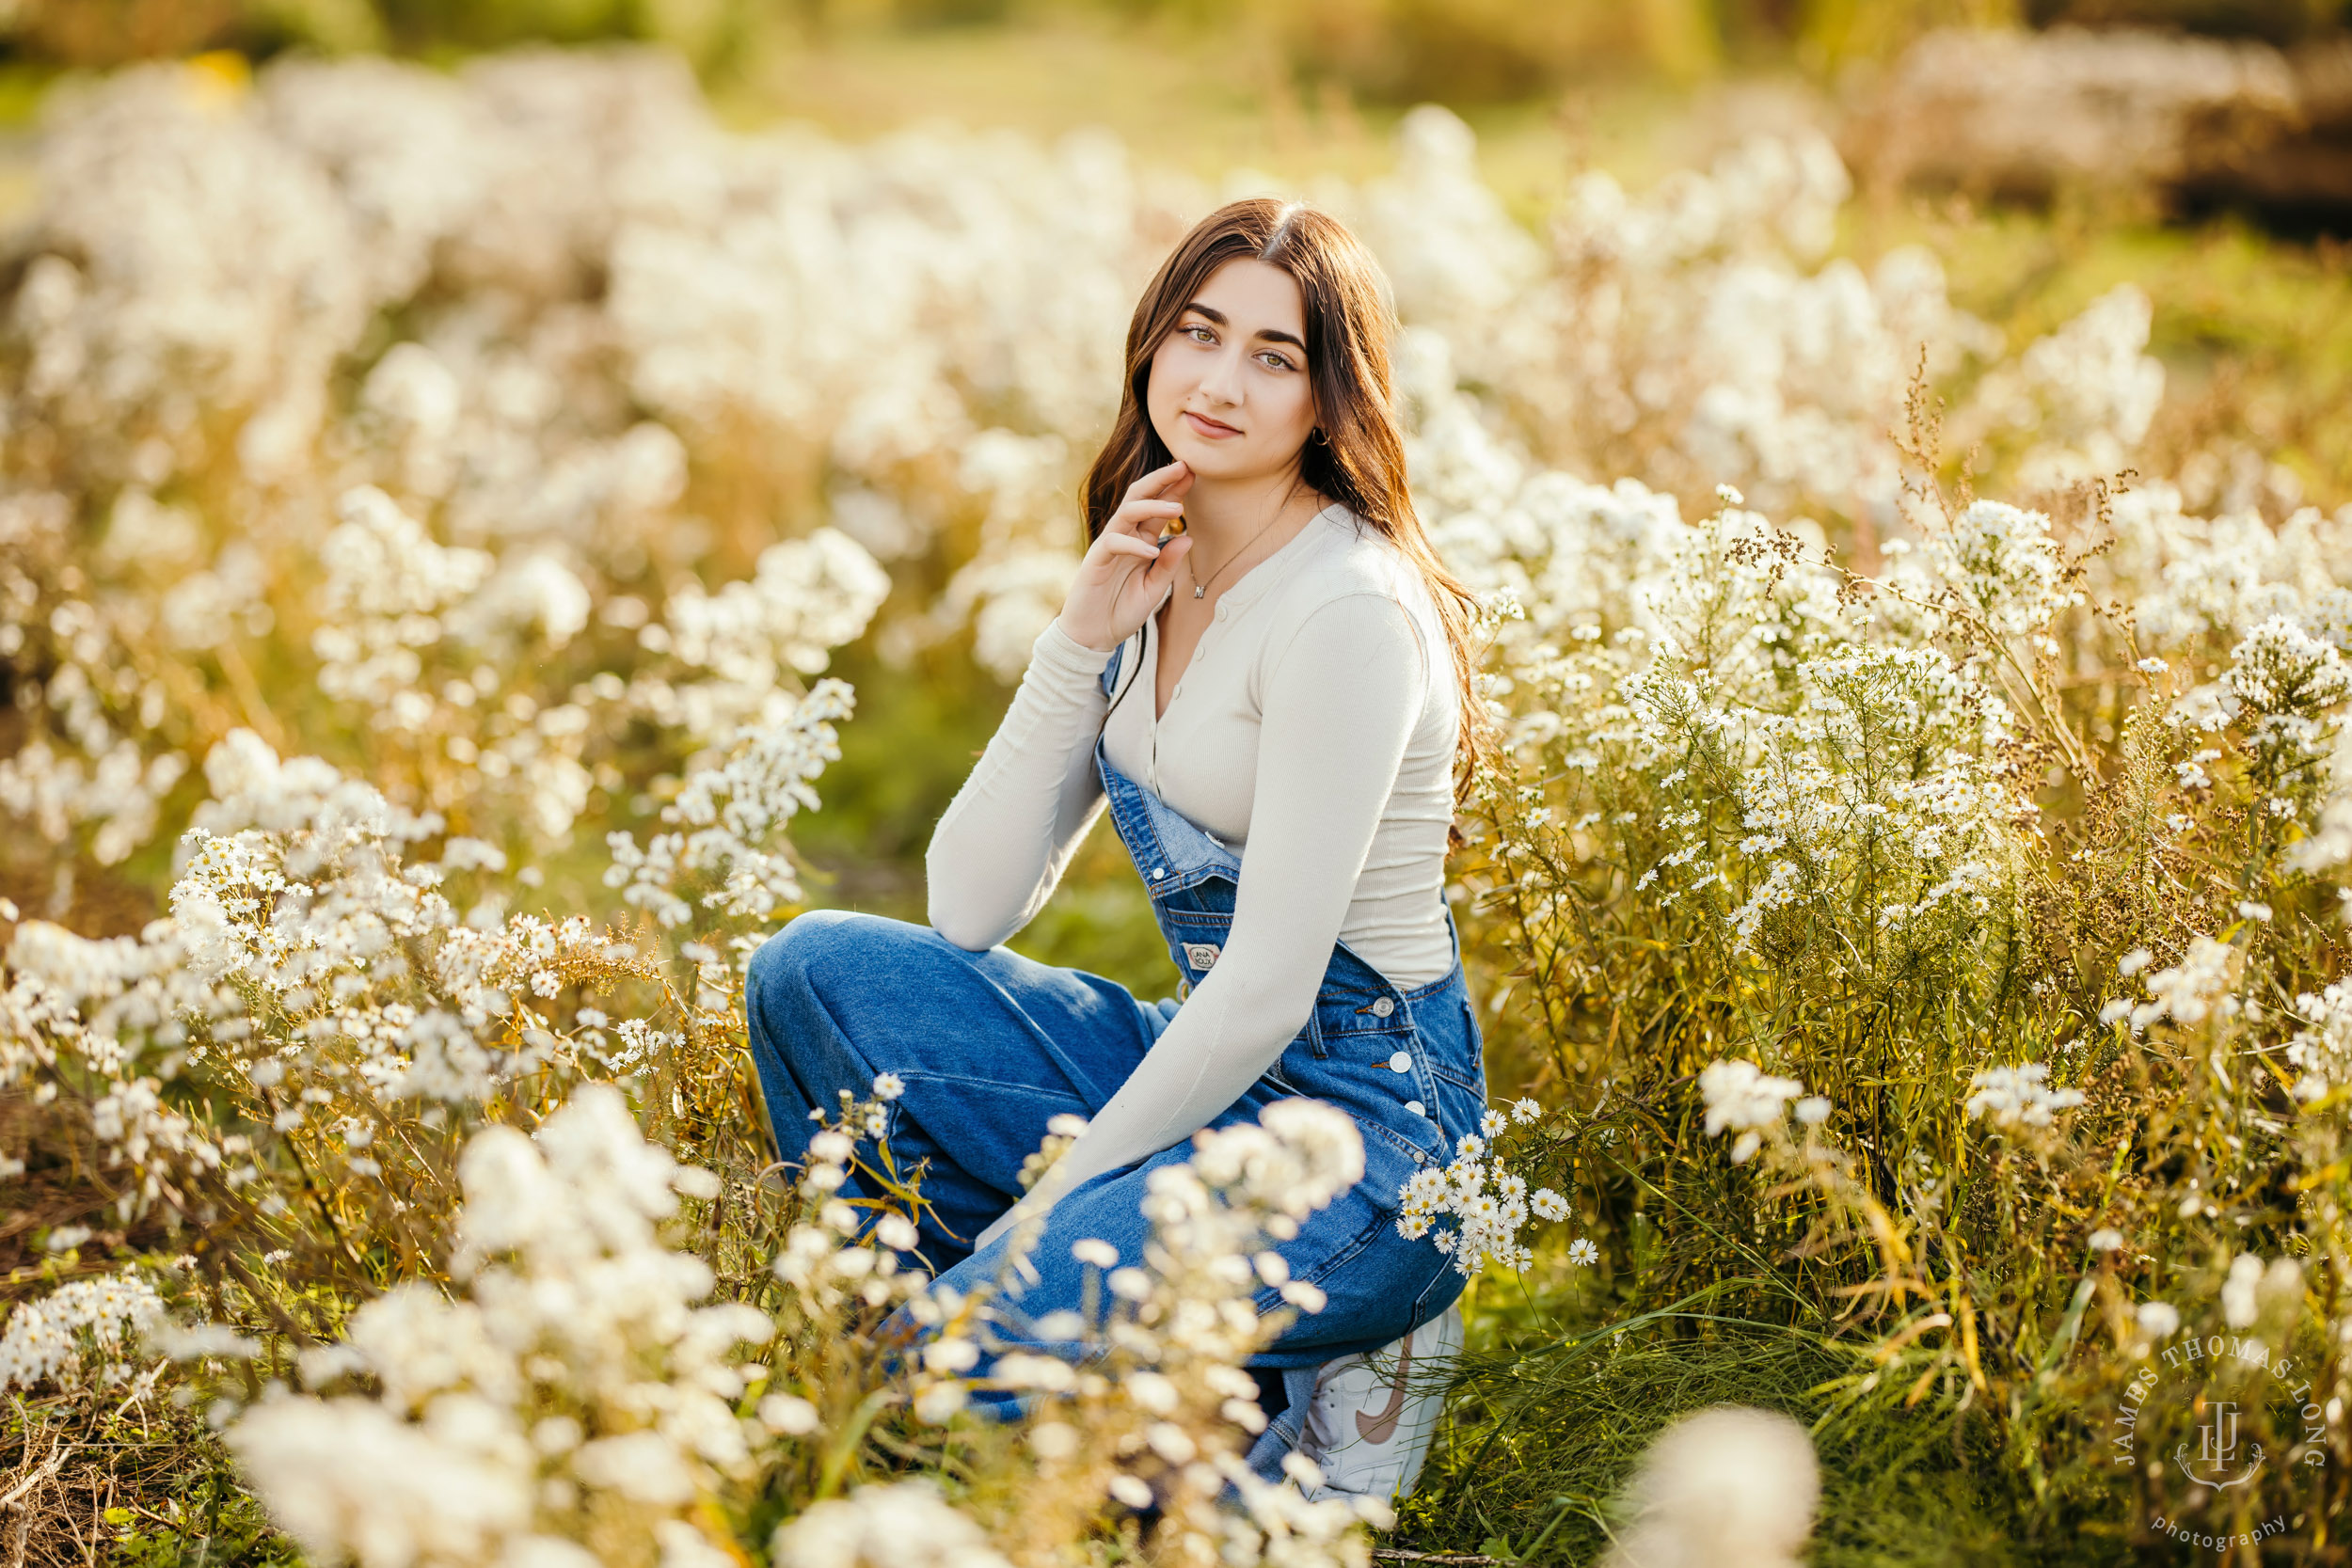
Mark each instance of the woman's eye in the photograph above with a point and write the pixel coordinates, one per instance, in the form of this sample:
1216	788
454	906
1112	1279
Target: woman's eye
1276	362
1200	334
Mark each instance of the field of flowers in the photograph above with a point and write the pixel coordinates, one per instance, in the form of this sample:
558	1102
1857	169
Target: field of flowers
438	511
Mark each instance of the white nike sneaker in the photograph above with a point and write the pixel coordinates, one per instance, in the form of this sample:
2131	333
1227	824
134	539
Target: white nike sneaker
1373	1415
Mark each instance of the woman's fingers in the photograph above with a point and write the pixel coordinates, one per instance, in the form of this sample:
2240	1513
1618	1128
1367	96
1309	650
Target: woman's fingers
1153	483
1128	543
1126	571
1160	573
1133	516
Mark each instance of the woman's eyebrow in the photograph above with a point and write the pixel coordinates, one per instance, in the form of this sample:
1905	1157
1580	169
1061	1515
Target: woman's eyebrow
1271	334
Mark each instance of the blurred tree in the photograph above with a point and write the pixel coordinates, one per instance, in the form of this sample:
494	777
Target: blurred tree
1452	49
2280	22
1465	51
108	32
103	33
418	23
1387	50
1830	32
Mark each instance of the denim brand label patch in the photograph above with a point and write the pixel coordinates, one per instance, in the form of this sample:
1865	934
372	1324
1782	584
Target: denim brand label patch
1201	954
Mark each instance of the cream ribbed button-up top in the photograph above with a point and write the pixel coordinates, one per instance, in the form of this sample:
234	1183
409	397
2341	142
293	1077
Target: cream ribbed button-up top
1313	732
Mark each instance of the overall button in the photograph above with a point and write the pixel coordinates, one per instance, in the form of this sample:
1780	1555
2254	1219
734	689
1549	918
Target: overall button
1416	1107
1382	1007
1158	872
1401	1062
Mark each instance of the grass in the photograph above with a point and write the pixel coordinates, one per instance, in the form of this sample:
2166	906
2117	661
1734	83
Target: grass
1546	1426
148	1489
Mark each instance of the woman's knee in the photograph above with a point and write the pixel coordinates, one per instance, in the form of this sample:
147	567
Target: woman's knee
824	956
794	958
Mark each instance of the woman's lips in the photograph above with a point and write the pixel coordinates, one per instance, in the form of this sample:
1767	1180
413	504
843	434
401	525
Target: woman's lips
1213	430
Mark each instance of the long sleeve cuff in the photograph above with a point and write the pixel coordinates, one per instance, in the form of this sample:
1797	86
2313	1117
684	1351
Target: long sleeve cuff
1056	652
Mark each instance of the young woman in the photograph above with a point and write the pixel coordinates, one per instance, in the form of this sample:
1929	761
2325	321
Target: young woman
1262	673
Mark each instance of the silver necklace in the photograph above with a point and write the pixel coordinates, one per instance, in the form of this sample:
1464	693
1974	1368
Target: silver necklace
1199	587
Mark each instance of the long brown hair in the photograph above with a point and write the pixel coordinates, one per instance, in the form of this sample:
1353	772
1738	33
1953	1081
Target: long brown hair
1356	454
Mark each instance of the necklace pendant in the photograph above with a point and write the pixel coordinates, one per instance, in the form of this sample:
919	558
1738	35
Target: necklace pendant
1196	589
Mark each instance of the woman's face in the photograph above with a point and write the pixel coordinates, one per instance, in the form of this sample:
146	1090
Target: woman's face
1229	391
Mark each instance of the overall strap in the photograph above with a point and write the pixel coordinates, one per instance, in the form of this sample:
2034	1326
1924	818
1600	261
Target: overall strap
1109	679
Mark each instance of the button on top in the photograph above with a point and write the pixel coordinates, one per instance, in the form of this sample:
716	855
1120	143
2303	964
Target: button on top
1417	1108
1382	1007
1158	872
1220	610
1401	1062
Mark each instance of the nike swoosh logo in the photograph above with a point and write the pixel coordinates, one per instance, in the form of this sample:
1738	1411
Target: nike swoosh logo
1380	1428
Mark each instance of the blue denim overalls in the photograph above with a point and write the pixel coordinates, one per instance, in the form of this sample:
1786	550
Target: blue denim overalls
991	1045
1405	1065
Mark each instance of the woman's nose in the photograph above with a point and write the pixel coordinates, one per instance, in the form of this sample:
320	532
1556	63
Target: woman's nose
1221	379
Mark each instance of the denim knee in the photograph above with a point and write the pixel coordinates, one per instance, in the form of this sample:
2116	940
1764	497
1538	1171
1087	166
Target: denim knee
783	961
778	985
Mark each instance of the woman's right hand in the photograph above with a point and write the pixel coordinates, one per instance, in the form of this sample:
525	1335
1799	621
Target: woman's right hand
1125	575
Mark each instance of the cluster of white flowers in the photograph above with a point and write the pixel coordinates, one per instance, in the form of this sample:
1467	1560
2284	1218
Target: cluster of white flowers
111	1017
1997	562
1750	695
1739	1094
805	597
2081	398
1156	1407
116	792
84	1330
2191	990
2018	1096
903	1524
2190	578
315	978
1690	336
575	1390
2251	1287
2287	687
1489	1202
2323	1048
736	810
838	1257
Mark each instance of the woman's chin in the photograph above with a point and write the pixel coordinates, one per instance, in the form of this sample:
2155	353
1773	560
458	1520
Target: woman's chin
1218	462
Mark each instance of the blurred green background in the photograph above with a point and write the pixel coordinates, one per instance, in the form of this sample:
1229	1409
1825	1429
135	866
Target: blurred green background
1454	51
